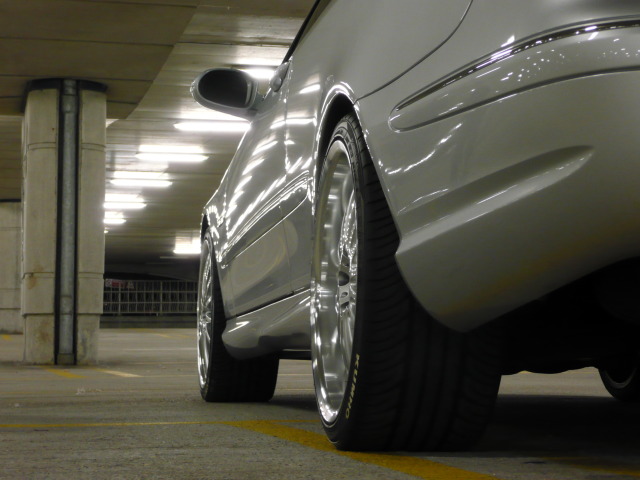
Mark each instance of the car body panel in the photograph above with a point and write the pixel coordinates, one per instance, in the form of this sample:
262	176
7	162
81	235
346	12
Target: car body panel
282	325
502	137
558	207
452	150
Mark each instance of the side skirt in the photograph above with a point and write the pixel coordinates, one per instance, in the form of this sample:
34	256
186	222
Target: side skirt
283	325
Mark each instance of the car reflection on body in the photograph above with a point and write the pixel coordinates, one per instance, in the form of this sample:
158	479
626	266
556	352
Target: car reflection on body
431	195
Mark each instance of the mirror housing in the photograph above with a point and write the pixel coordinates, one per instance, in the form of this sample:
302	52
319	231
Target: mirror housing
227	90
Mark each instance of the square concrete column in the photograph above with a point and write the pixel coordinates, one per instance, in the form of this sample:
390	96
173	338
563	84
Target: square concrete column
10	275
63	231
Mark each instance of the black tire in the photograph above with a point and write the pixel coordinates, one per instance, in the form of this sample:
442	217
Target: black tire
222	378
621	378
412	383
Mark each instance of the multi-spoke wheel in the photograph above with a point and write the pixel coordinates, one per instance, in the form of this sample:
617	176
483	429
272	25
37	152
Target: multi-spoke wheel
387	375
205	314
621	378
336	284
223	378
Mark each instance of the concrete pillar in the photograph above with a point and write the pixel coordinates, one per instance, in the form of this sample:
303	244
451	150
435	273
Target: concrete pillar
63	233
10	239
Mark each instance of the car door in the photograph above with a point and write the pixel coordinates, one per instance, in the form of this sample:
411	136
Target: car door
255	266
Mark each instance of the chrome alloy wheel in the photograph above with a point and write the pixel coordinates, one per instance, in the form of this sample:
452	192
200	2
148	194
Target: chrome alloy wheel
205	313
334	281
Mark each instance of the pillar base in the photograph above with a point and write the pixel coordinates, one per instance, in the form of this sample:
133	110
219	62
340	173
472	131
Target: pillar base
39	339
87	339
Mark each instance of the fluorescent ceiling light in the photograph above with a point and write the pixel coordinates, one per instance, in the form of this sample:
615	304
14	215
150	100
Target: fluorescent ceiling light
125	178
139	182
114	221
260	73
201	113
212	126
123	201
187	250
114	218
123	197
171	157
124	205
138	174
187	246
170	149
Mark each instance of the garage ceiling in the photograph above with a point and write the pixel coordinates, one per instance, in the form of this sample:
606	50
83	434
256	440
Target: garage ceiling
147	52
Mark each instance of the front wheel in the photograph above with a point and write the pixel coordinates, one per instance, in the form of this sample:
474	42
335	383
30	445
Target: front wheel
387	375
222	378
621	378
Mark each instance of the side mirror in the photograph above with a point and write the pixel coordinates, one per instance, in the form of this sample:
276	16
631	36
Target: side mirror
227	90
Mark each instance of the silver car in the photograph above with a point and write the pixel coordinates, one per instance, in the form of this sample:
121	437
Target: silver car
431	195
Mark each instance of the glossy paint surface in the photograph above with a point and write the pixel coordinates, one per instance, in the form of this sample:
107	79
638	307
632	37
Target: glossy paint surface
502	134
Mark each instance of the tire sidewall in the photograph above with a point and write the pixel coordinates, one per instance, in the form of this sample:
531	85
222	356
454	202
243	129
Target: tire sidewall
340	430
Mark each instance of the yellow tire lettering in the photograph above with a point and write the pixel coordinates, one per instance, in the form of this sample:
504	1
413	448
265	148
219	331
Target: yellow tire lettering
352	391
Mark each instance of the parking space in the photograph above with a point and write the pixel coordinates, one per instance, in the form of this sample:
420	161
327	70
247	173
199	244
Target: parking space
139	415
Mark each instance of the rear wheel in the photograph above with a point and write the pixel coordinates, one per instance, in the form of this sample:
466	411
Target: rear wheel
621	378
222	378
387	375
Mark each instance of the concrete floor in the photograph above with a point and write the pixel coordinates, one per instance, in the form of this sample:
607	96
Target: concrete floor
139	415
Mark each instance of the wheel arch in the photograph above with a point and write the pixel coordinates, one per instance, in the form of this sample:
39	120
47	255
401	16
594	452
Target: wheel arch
204	225
339	101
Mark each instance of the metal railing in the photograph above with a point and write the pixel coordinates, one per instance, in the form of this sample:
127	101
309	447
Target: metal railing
149	297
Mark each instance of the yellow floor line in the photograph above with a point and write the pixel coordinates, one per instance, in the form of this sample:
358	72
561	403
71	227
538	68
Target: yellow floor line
418	467
6	337
116	373
62	373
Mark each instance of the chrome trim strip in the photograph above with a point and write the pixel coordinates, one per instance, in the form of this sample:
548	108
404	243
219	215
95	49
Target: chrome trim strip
511	51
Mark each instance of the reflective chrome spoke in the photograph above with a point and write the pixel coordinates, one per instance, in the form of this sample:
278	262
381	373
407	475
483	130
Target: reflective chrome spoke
205	313
335	282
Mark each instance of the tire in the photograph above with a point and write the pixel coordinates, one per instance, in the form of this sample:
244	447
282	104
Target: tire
622	378
387	376
221	377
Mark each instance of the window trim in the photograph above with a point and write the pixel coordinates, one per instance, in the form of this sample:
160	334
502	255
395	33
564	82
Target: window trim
310	20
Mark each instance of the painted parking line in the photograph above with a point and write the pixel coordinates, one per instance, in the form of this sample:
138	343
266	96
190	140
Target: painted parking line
66	374
61	373
6	337
418	467
116	373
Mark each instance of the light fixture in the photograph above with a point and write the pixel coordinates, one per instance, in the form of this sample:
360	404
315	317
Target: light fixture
260	73
171	157
124	205
125	178
114	218
114	221
138	182
170	149
187	248
187	244
212	126
122	197
171	153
